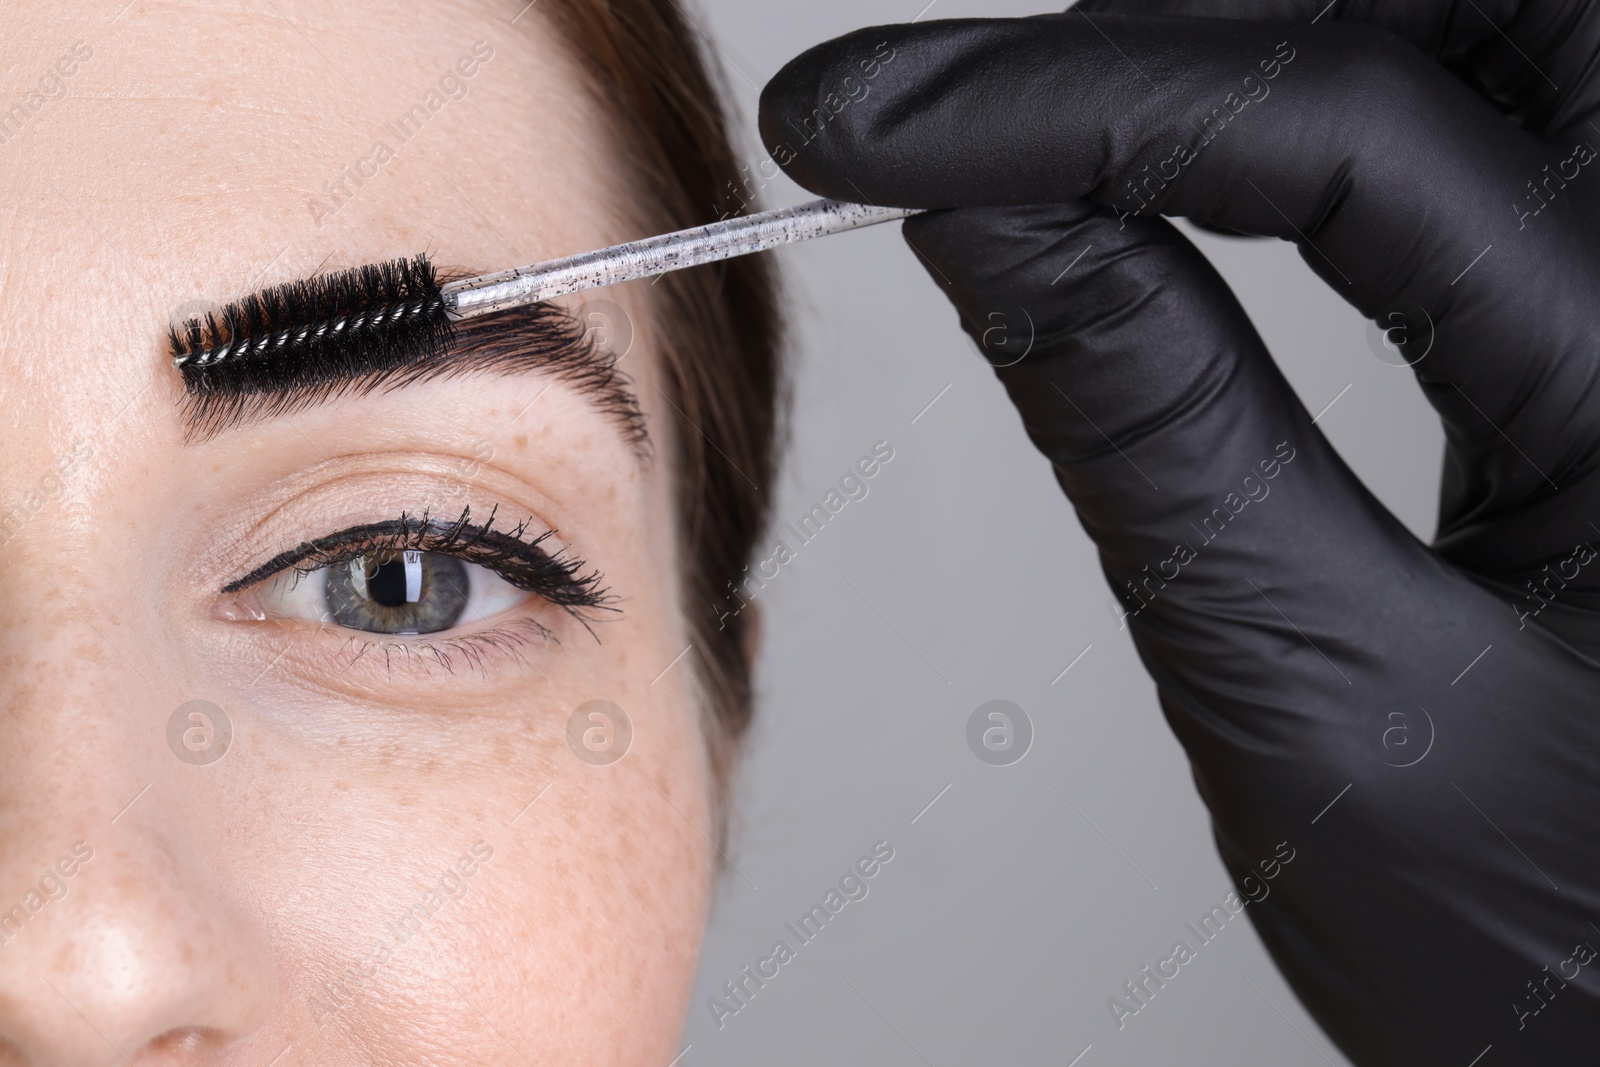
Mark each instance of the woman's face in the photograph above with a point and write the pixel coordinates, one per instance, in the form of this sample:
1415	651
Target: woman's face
360	845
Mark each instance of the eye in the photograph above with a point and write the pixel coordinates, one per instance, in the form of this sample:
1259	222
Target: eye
391	592
416	576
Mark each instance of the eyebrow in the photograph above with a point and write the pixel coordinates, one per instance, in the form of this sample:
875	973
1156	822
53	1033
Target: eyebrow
538	337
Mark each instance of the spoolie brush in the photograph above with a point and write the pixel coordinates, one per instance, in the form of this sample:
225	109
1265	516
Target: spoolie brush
335	327
377	318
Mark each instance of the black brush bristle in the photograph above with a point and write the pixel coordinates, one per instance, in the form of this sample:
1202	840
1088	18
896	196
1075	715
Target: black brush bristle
323	333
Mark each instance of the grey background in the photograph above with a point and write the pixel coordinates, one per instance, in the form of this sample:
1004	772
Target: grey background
1021	901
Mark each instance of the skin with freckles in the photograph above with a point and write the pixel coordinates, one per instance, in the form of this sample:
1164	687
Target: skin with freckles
399	858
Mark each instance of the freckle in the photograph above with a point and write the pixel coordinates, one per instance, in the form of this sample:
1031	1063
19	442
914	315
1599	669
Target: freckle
521	440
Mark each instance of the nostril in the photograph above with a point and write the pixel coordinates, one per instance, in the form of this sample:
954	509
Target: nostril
178	1047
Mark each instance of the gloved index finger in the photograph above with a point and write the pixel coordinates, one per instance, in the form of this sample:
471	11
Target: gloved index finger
1326	135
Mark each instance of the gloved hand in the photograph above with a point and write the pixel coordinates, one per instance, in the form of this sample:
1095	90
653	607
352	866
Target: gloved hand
1435	162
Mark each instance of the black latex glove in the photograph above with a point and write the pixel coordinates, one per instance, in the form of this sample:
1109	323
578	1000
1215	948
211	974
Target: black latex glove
1301	639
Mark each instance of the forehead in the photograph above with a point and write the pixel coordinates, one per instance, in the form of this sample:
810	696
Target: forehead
176	156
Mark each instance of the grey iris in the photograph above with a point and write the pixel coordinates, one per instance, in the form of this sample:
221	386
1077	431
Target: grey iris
402	592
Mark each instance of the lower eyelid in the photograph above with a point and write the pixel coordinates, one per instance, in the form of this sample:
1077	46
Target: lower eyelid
428	653
363	664
370	666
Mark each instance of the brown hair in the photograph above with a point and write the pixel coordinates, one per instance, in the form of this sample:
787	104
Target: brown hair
719	323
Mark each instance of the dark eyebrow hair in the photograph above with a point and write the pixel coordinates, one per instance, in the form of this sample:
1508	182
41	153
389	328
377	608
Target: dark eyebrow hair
536	337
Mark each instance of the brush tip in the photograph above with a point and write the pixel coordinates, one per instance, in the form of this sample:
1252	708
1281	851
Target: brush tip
335	327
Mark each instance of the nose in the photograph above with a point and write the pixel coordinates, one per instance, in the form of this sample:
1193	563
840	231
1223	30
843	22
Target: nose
122	938
133	959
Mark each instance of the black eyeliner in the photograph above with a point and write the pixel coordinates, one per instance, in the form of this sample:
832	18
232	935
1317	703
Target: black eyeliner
518	559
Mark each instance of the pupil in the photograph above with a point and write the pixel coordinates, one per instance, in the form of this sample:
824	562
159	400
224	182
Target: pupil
386	583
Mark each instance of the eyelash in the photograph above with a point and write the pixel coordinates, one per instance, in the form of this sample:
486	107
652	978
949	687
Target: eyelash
512	554
472	648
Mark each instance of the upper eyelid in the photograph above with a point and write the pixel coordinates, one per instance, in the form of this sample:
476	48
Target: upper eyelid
366	534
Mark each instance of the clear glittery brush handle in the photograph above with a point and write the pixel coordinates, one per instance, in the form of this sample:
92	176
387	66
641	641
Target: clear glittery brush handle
657	255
